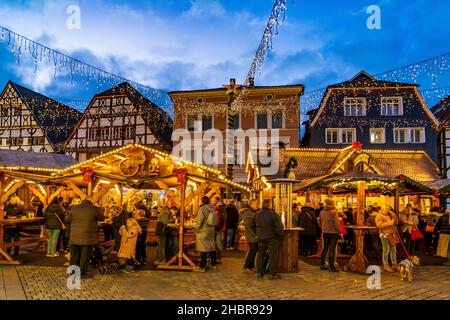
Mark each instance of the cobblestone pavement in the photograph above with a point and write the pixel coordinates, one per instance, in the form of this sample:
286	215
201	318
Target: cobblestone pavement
228	282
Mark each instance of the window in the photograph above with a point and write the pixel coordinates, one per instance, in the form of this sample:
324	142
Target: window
261	121
93	134
417	135
206	123
4	112
236	122
377	135
409	135
347	135
391	106
277	119
129	132
191	122
337	135
332	136
401	135
118	133
37	141
354	107
16	141
104	133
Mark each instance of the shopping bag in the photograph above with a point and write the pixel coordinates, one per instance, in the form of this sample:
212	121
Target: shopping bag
416	234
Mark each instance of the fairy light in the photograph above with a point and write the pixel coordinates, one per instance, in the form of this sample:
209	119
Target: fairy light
9	186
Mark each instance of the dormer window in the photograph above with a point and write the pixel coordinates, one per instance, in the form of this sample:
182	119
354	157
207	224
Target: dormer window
391	106
354	107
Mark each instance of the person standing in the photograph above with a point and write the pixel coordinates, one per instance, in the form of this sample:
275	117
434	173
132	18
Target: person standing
386	221
127	251
14	210
248	216
205	235
221	220
308	236
83	219
269	231
443	227
141	246
331	230
373	234
54	216
162	232
232	224
409	220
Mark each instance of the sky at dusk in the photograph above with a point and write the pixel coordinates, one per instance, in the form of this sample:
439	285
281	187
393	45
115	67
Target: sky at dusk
182	44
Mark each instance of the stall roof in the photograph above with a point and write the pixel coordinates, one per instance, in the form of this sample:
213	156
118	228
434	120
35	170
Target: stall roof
37	160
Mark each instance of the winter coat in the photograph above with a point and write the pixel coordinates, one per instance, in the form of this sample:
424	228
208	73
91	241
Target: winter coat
409	221
248	216
128	243
51	215
83	220
329	222
221	218
232	216
295	218
308	221
143	223
205	233
443	225
386	223
370	222
268	225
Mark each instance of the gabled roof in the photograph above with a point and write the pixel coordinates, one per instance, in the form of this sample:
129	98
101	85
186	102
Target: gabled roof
156	118
55	119
35	159
222	90
442	110
314	163
363	80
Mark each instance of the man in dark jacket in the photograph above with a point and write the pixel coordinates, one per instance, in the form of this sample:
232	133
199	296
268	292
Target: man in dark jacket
54	222
83	220
308	236
269	230
14	210
250	234
232	224
141	253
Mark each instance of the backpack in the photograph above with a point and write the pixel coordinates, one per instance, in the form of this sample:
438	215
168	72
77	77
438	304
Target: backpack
222	217
211	220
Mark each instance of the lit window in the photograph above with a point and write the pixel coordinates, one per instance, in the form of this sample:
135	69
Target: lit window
261	120
401	135
377	135
277	119
417	135
129	132
206	123
191	122
391	106
236	122
37	141
332	136
354	107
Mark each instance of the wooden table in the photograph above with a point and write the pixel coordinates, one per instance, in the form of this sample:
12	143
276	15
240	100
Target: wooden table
6	224
359	262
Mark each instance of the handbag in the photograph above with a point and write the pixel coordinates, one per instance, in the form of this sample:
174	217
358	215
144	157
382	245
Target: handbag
393	239
63	226
416	234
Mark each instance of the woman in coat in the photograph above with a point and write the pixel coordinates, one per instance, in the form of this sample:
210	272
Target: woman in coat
205	234
127	251
386	221
54	216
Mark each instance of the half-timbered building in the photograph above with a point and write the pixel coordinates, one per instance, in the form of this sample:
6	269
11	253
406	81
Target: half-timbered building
380	114
117	117
30	121
442	113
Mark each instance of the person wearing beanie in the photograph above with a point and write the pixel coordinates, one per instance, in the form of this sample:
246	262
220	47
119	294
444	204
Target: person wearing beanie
331	230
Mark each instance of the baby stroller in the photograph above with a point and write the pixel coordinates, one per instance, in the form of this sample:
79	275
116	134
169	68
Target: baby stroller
102	261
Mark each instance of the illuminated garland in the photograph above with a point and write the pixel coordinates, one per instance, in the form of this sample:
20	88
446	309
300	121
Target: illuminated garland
64	64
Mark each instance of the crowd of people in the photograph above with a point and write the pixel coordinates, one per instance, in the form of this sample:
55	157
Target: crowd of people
72	226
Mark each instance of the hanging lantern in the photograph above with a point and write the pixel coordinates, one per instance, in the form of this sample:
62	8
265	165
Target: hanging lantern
181	174
357	145
87	174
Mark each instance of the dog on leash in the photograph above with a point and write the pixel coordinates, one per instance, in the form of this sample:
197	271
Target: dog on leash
405	267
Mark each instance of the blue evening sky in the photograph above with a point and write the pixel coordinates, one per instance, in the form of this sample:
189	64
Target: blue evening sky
187	44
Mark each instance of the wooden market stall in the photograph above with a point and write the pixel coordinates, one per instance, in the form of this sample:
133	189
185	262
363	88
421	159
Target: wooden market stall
121	173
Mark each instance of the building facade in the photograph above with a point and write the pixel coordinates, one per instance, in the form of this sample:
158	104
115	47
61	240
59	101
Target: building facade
117	117
379	114
30	121
260	112
442	113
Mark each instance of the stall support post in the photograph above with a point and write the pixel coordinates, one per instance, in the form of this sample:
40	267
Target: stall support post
359	262
397	201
